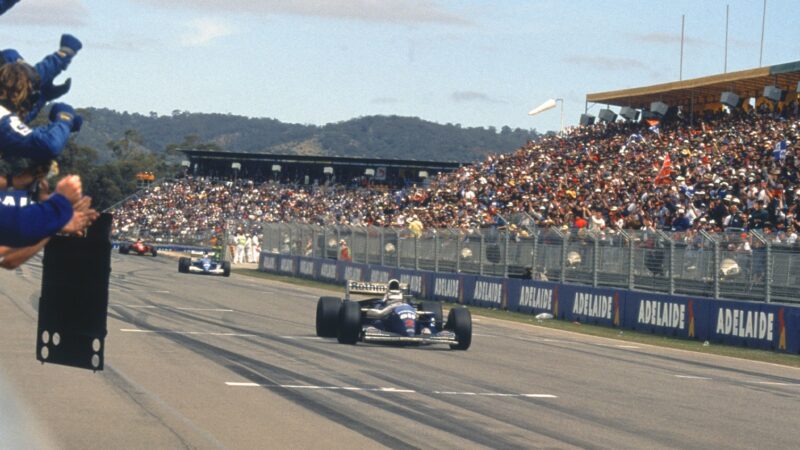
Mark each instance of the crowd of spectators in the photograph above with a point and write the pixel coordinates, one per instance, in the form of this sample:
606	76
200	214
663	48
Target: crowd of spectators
730	172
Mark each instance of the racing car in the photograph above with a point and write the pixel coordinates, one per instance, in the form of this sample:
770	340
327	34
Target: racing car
139	248
391	316
205	265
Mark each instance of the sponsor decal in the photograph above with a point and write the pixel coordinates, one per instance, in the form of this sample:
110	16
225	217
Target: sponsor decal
616	309
352	273
662	314
488	292
19	200
270	263
366	287
379	276
408	314
306	268
414	282
781	330
287	265
327	271
447	287
593	305
690	306
745	324
536	297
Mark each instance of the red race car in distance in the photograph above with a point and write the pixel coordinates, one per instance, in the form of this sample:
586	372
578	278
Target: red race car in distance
137	247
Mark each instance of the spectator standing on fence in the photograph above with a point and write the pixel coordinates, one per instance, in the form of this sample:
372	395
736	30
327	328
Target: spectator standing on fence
415	226
344	251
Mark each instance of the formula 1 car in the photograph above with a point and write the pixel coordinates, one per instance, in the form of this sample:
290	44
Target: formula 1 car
138	247
392	317
205	265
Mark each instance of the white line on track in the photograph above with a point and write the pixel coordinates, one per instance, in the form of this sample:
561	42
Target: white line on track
205	309
201	333
312	338
392	390
776	383
692	377
627	346
179	309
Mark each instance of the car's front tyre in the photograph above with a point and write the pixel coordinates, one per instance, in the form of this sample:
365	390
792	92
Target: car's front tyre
459	321
226	268
183	264
328	316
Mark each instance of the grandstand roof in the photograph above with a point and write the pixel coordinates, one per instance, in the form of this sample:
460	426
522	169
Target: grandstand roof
309	159
704	90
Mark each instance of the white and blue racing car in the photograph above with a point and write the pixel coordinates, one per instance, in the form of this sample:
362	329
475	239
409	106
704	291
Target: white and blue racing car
391	317
205	265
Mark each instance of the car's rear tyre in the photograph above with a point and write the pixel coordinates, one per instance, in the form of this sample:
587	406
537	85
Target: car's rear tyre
328	316
154	252
226	268
349	326
183	264
459	321
124	249
436	309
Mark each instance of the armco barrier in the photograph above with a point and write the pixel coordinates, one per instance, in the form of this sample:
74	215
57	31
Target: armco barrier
747	324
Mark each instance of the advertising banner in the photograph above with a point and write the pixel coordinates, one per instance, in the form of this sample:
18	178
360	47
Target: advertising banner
597	306
487	292
450	287
418	282
757	325
668	315
533	297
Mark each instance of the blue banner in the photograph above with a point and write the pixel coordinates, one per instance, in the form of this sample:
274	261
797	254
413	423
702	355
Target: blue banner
533	297
597	306
757	325
666	314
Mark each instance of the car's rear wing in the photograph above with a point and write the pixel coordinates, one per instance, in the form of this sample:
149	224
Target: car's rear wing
368	288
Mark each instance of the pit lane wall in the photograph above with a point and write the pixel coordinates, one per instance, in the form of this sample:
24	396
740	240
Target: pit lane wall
765	326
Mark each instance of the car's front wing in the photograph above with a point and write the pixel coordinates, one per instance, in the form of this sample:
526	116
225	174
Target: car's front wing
195	269
443	337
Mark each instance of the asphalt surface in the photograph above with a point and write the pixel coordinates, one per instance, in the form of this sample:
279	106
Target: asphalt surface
210	362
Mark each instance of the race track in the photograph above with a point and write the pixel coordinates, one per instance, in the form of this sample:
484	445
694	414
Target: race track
208	362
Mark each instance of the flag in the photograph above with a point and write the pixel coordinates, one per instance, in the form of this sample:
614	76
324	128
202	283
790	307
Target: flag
550	104
655	129
780	151
665	172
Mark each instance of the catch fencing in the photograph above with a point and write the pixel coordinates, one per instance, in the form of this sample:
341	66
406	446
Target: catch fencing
742	266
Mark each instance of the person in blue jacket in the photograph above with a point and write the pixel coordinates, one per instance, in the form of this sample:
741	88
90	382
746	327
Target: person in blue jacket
45	71
5	5
17	140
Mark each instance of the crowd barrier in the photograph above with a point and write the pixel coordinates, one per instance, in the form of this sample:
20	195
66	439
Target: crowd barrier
767	326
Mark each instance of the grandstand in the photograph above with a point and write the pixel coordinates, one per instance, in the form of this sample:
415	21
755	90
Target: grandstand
687	190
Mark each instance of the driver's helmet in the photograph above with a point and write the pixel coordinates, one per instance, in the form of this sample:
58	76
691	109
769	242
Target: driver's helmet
394	293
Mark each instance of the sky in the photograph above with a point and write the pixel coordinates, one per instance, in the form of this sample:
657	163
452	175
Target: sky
472	62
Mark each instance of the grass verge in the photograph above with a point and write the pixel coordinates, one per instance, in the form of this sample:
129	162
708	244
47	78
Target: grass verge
627	336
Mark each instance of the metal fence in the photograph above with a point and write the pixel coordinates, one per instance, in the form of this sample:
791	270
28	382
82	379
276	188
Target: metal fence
746	266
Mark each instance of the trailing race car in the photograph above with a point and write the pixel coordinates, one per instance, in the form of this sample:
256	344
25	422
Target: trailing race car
138	247
392	317
205	265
